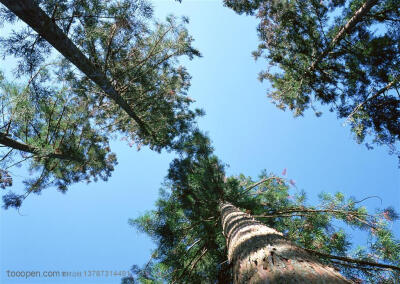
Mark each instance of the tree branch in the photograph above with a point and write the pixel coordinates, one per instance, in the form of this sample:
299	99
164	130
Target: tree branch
258	183
203	249
355	215
6	141
352	260
197	260
381	91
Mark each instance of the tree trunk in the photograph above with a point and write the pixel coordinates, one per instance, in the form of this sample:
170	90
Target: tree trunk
259	254
37	19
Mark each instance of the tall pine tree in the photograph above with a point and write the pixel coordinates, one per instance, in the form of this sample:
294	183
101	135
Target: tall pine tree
119	74
128	68
343	54
212	229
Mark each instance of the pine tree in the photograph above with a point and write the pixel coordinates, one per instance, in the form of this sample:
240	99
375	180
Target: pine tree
49	130
57	120
126	65
209	228
343	54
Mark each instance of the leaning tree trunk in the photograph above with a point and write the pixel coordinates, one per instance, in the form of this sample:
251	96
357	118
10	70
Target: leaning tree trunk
352	22
259	254
29	12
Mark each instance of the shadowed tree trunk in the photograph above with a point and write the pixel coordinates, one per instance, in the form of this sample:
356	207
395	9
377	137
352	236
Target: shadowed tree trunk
36	18
259	254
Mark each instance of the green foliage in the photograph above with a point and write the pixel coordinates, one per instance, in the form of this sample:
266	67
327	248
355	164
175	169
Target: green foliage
186	222
64	119
138	56
68	148
356	72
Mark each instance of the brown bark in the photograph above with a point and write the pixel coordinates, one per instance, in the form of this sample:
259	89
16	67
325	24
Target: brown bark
37	19
260	254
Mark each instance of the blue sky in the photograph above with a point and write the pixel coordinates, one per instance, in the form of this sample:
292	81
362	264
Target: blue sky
87	229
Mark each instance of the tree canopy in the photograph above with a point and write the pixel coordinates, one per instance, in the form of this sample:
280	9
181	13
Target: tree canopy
50	131
61	118
118	75
191	247
343	54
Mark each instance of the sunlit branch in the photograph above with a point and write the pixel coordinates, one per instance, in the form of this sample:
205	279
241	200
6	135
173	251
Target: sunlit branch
150	54
84	16
258	183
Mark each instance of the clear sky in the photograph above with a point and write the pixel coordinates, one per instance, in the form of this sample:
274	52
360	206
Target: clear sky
86	228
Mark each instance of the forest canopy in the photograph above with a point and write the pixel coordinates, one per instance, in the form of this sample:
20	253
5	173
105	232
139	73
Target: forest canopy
90	71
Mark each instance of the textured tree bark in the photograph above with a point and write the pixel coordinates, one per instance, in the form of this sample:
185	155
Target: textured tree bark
260	254
37	19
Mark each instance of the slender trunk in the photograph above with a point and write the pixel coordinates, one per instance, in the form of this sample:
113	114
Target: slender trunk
6	141
37	19
260	254
364	9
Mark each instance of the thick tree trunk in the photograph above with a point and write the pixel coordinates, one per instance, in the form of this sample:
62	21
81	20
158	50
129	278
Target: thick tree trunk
260	254
37	19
